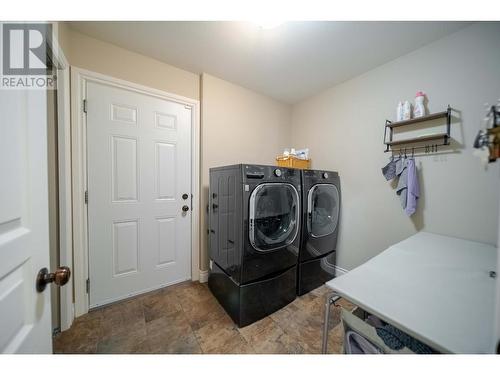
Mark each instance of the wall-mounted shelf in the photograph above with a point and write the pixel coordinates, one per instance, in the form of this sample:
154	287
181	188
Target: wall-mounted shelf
430	117
423	138
444	137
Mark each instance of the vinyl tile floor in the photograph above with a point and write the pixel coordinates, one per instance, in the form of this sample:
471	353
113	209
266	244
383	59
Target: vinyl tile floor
187	319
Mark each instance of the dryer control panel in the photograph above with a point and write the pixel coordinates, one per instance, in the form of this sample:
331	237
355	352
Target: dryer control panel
270	173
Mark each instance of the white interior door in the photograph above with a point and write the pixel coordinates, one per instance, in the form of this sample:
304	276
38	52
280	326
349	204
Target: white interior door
139	168
496	343
25	316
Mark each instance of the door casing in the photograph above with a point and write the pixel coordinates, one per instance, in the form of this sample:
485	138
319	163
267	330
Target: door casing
79	79
64	175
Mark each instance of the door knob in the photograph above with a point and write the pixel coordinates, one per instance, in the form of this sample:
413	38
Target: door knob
60	277
185	196
185	208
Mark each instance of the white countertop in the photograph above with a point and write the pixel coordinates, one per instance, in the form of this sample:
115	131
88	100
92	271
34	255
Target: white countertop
435	288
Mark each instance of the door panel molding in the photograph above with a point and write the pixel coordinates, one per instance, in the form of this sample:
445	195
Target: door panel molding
25	326
79	79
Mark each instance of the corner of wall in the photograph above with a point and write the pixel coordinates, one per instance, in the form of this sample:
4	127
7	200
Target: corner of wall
64	38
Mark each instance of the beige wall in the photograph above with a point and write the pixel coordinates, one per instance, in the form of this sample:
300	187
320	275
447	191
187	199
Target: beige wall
88	53
92	54
63	33
343	127
238	126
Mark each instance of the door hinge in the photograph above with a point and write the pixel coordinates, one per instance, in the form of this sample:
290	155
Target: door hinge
87	286
84	105
86	196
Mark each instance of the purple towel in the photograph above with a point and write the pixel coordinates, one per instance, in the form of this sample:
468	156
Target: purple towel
413	188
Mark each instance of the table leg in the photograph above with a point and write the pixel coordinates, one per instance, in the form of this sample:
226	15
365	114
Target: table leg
330	299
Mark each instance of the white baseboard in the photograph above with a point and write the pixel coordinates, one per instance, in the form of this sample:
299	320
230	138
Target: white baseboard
339	271
67	317
203	276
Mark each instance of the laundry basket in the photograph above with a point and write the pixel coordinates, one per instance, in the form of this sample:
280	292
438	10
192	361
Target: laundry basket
361	338
293	162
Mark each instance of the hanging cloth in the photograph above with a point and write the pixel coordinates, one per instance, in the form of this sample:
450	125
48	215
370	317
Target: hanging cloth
389	171
413	188
402	188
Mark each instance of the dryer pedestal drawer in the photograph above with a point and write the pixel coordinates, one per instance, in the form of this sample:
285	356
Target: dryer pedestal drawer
248	303
314	273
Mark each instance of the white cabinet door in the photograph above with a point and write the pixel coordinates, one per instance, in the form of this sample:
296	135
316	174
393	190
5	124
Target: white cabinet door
139	168
25	316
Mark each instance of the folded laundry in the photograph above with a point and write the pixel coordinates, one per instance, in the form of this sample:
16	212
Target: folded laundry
374	321
397	340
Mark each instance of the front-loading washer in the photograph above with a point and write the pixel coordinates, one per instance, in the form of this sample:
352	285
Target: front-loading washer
254	234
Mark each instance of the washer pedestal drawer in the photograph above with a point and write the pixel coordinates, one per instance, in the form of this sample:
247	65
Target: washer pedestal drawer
248	303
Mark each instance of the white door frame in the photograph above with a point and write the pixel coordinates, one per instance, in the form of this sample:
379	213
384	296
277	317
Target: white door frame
79	79
64	174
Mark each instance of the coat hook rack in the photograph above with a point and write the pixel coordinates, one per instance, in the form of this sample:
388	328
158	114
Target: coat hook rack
490	137
392	145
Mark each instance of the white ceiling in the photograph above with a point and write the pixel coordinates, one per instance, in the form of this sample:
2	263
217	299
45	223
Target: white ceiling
289	63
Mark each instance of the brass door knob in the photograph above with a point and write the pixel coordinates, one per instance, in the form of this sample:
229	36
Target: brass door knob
60	277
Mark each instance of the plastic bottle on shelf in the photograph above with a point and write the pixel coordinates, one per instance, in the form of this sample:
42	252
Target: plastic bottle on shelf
419	109
399	111
406	110
303	153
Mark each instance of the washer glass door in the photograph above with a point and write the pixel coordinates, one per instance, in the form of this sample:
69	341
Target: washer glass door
322	210
274	216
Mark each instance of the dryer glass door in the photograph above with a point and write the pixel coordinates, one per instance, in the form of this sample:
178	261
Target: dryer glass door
322	210
274	216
